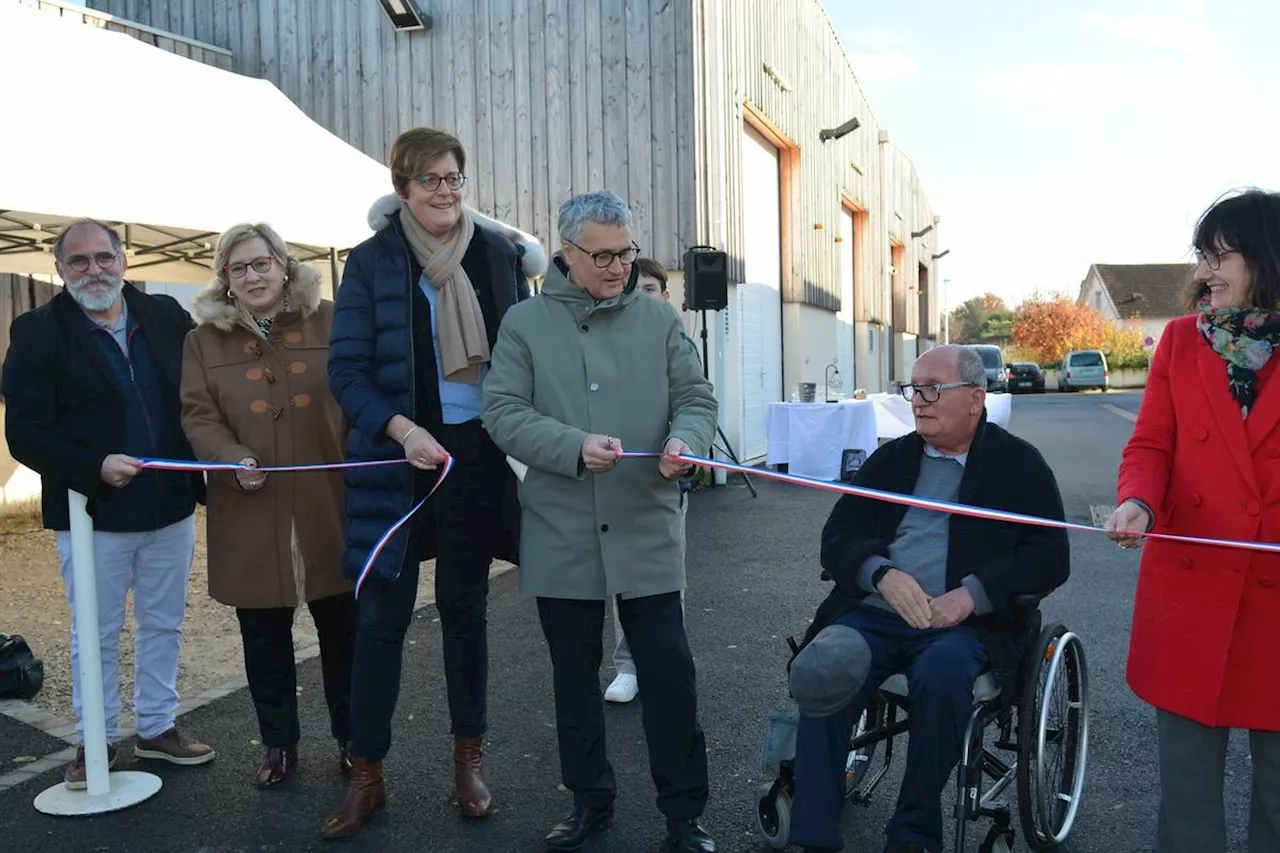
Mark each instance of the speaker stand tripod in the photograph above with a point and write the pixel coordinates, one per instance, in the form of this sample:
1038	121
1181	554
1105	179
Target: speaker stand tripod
728	448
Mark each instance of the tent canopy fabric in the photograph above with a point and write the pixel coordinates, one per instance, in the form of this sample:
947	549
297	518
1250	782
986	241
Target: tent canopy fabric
170	150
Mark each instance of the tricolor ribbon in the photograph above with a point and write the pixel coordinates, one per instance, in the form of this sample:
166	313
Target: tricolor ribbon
367	569
184	465
940	506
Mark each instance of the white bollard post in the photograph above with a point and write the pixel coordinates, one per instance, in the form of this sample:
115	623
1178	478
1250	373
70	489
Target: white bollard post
105	791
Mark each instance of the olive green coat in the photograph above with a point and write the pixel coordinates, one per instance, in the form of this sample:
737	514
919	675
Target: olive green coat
564	367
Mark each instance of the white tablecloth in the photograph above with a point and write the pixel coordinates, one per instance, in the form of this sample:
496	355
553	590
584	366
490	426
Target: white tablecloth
894	420
810	438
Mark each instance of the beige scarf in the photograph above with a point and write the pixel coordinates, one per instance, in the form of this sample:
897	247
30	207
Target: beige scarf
464	343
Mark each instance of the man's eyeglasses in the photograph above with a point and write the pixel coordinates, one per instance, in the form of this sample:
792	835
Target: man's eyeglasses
1213	258
931	393
261	266
603	260
453	180
80	263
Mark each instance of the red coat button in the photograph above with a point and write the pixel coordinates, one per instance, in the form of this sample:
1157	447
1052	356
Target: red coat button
1200	434
1185	562
1267	583
1196	500
1253	508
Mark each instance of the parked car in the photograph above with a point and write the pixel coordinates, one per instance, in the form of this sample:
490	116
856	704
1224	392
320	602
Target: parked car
1085	368
993	361
1026	376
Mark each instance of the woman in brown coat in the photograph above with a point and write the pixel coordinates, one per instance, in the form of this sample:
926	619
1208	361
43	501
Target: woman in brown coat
255	391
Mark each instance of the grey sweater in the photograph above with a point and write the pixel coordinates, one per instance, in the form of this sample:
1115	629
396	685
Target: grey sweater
919	547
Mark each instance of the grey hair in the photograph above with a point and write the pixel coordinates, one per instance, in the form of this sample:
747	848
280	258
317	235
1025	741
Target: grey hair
59	245
602	207
971	368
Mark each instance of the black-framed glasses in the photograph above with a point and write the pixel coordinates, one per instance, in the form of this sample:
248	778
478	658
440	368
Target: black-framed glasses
80	263
261	266
602	260
931	393
453	180
1213	257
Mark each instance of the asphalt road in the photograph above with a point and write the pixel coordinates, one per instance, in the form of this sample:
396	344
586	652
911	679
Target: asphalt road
753	581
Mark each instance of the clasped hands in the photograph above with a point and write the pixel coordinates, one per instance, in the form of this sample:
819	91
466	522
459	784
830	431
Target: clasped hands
917	609
600	454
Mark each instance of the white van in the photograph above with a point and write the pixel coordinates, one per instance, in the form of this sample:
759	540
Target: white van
1084	368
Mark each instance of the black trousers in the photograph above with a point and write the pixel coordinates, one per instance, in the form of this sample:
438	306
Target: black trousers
273	680
463	514
654	626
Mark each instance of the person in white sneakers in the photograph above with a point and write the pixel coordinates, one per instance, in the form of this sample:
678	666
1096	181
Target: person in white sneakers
651	280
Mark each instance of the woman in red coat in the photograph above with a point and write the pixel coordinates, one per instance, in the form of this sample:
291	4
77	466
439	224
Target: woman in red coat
1204	460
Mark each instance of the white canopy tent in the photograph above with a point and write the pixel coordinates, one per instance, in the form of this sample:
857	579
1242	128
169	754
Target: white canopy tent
170	150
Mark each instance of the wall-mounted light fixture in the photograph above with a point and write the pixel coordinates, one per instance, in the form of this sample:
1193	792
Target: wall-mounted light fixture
843	130
941	254
923	231
405	15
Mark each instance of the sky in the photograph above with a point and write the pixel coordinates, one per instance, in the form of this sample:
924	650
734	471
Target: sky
1050	136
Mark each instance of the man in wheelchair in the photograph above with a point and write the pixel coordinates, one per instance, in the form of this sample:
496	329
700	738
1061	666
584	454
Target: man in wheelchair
924	593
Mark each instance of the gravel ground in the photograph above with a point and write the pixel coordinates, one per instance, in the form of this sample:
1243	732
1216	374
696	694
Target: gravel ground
33	603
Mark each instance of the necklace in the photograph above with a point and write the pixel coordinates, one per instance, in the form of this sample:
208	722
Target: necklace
264	323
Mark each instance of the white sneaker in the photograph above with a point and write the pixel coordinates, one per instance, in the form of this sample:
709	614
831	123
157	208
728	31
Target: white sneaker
623	689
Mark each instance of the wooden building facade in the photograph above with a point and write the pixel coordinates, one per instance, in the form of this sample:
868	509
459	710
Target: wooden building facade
706	115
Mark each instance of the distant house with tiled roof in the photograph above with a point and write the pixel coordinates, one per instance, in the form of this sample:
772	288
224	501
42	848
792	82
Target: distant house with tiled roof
1151	293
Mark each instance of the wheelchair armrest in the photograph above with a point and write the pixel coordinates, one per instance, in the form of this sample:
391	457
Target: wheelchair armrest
1027	602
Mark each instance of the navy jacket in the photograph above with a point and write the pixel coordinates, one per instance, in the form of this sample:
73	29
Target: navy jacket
380	332
64	411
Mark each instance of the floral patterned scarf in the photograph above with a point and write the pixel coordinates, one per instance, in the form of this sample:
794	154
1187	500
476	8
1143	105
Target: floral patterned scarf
1246	339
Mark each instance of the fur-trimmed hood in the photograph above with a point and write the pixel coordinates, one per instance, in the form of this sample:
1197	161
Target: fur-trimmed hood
214	307
533	261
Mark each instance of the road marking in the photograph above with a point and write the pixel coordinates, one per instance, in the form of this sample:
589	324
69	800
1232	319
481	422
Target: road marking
1116	410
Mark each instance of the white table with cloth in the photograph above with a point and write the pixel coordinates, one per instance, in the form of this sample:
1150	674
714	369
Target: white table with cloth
811	438
894	420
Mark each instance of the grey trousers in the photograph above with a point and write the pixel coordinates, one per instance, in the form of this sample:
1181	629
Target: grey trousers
1193	761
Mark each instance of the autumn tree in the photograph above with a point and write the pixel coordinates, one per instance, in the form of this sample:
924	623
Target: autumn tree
1123	344
1052	327
968	319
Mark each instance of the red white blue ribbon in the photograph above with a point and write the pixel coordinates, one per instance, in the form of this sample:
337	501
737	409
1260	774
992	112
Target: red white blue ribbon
184	465
367	569
941	506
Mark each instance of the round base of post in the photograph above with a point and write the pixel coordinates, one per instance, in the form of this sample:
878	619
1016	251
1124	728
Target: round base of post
128	788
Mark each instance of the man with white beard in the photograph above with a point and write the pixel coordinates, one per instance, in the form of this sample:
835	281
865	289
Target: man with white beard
91	383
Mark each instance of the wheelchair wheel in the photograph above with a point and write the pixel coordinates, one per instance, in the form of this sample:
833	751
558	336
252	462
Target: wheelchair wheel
773	813
1053	736
858	762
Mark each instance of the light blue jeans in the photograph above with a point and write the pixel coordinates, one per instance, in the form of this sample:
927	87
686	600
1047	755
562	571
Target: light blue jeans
156	565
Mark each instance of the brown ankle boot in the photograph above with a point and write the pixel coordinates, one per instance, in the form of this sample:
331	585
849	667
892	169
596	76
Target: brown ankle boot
473	795
365	795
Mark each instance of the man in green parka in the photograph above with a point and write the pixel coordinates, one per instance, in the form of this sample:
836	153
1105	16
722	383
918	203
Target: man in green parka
577	375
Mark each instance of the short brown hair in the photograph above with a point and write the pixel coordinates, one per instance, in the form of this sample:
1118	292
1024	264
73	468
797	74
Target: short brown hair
653	269
416	149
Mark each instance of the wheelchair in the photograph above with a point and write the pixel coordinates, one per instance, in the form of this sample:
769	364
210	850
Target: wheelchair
1042	719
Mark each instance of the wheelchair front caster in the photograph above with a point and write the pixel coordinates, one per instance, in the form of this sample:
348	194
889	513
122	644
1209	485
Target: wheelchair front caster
773	813
999	840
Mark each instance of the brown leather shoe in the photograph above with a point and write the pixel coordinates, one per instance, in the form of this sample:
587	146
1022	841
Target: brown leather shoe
365	795
344	760
277	766
468	760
